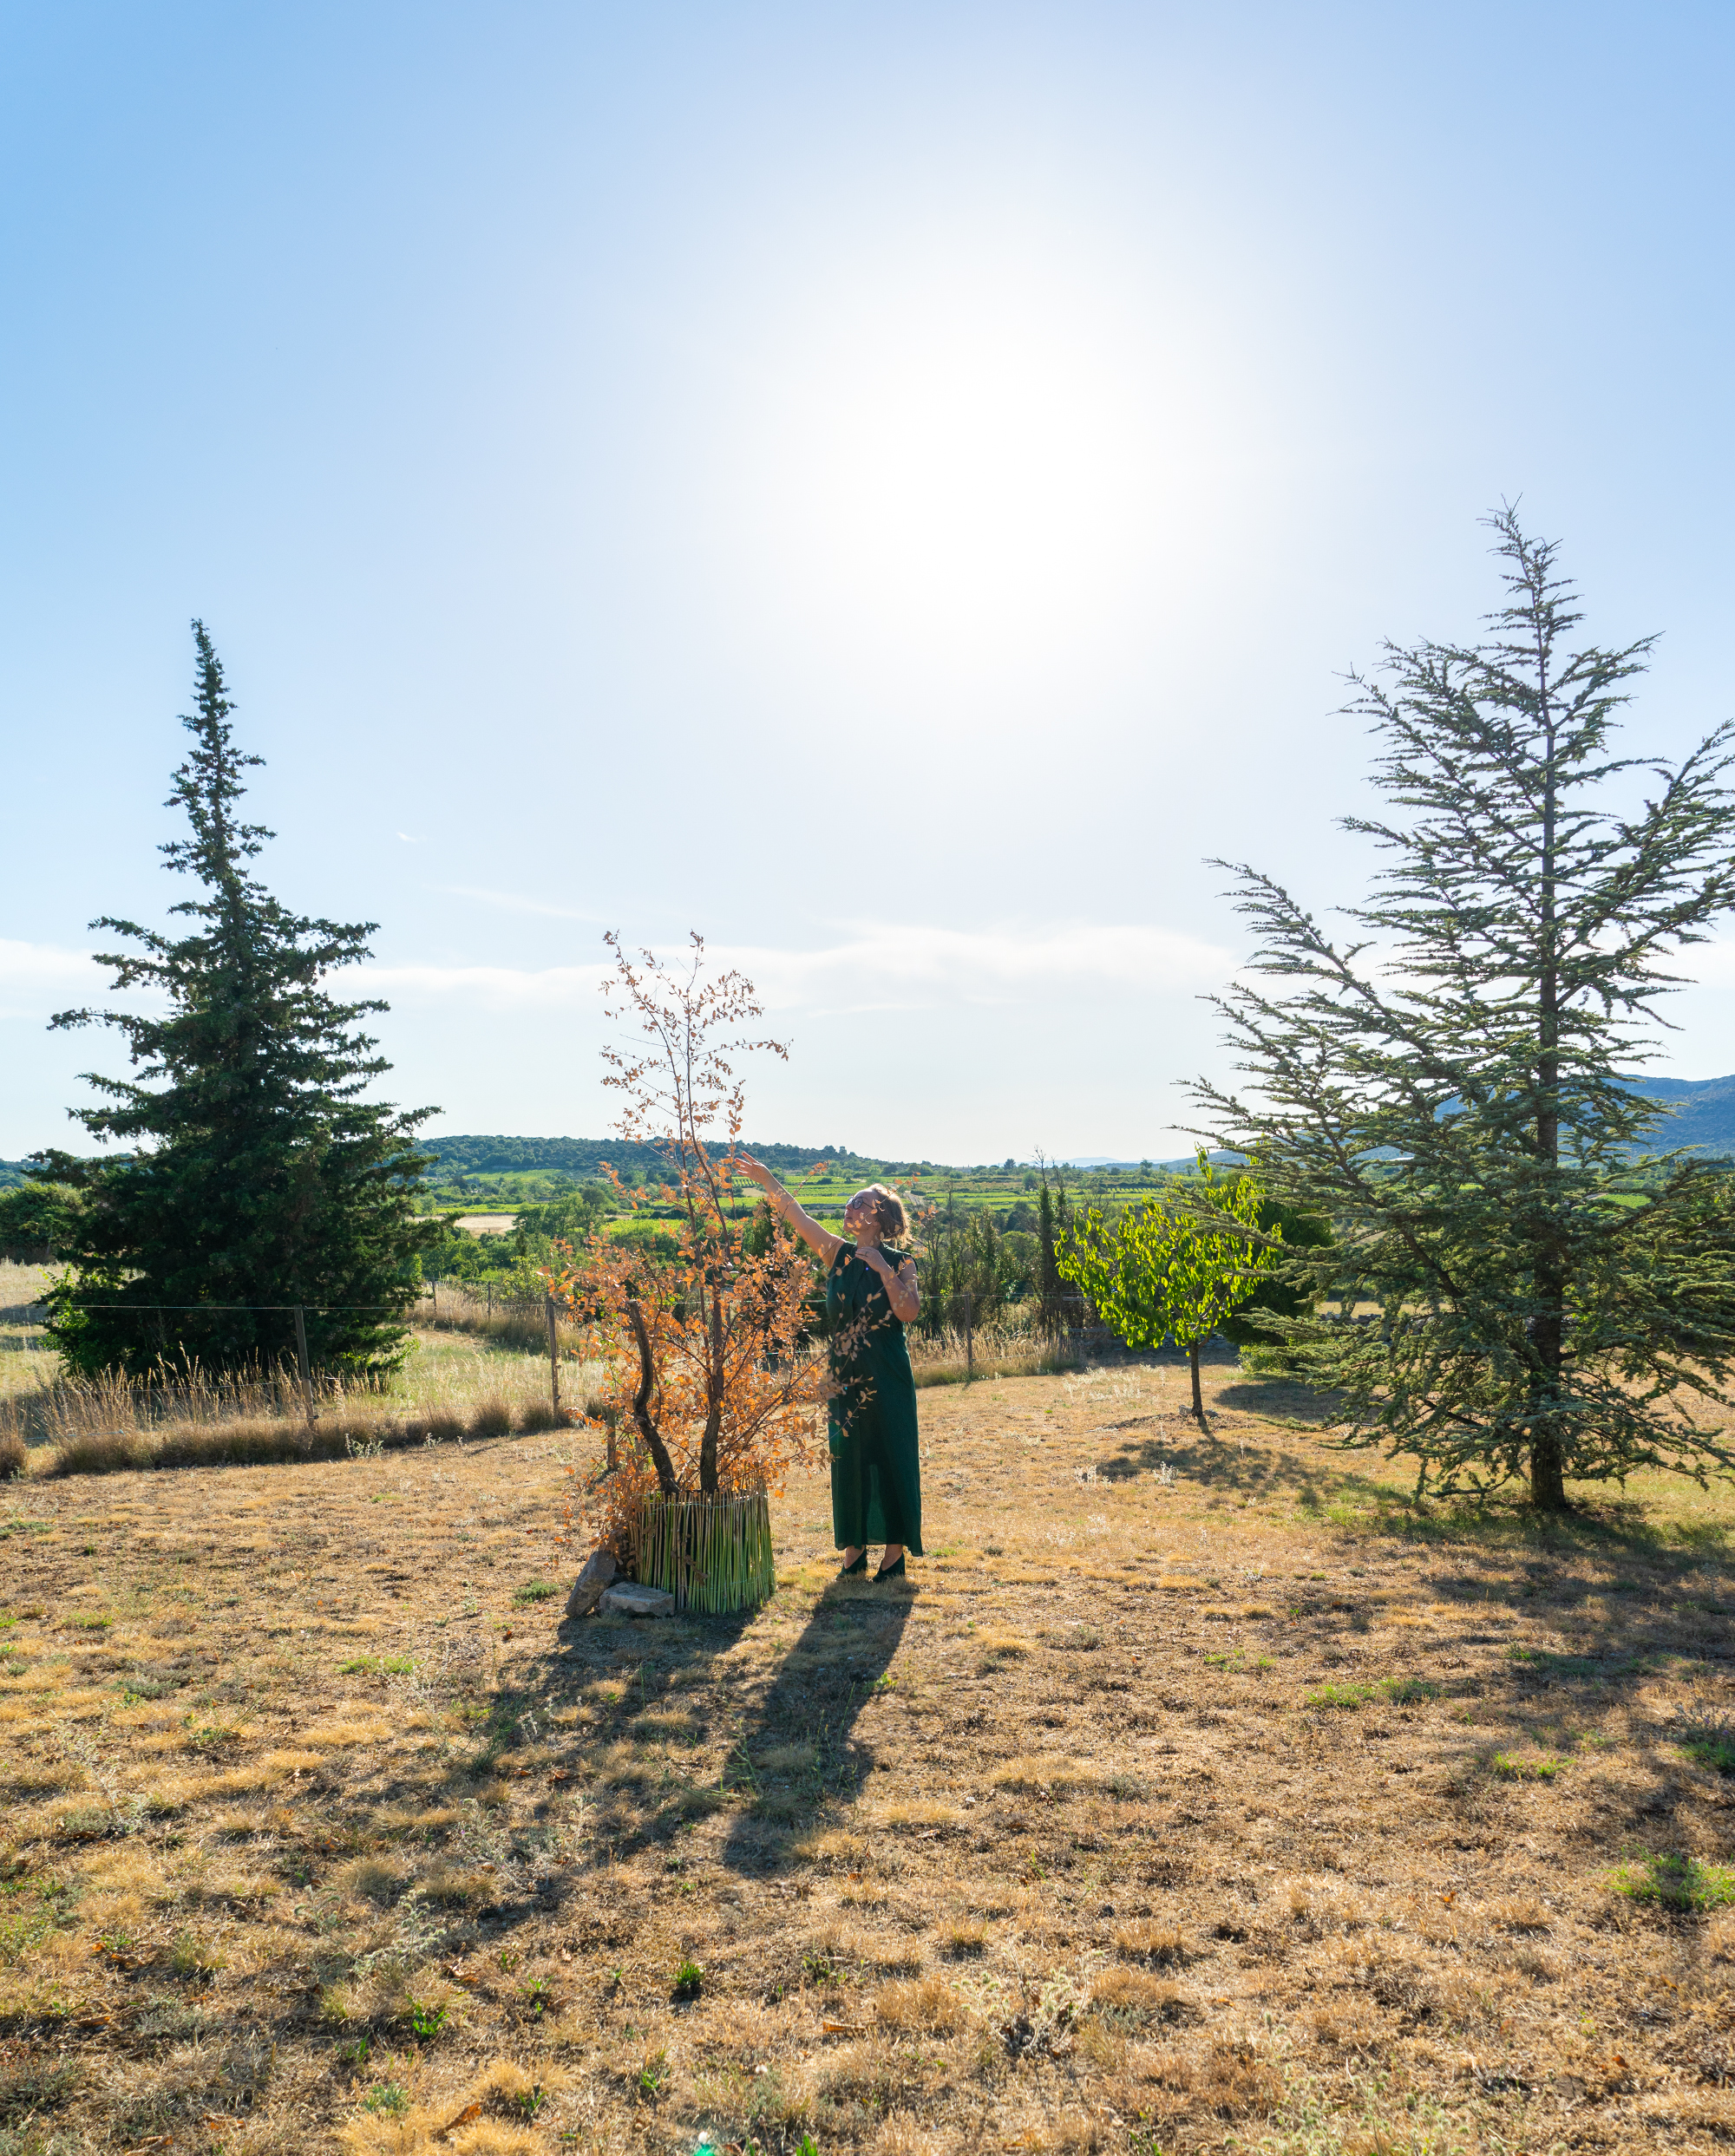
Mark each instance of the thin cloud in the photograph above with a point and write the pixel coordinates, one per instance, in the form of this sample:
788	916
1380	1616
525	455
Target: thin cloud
881	967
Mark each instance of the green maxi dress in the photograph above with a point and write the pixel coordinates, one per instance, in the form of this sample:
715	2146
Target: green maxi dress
875	1470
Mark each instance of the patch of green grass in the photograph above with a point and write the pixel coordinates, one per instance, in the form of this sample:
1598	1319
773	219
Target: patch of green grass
29	1909
689	1980
533	1590
28	2090
1345	1695
1712	1744
1554	1665
654	2075
387	2096
1675	1882
90	1621
211	1736
1403	1691
1504	1767
537	1997
377	1666
193	1961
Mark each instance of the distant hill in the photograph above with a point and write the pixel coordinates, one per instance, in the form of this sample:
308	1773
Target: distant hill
1701	1111
12	1173
468	1155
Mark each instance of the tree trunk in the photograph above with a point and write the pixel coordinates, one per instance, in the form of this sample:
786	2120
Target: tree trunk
1198	1396
714	1388
641	1405
1548	1478
1548	1326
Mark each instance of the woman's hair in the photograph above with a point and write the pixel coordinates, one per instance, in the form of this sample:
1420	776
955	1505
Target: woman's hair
889	1211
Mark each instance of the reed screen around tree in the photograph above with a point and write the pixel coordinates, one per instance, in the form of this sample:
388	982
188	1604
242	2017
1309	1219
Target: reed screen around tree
713	1554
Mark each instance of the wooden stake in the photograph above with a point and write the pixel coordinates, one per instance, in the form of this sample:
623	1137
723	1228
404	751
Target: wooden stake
553	1357
306	1370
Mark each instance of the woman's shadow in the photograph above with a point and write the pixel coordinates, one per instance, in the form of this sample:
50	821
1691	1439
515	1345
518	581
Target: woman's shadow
799	1749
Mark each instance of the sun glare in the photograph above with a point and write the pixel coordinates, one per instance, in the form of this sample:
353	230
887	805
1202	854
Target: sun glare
980	459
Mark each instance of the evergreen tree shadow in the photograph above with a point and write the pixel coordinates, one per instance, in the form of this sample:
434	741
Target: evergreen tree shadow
1236	1464
1283	1399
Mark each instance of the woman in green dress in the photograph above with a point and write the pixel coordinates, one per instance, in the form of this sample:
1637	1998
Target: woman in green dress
870	1295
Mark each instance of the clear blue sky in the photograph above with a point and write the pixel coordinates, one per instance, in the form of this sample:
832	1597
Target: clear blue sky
893	489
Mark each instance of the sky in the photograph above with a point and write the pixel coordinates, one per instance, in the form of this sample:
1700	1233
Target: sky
895	490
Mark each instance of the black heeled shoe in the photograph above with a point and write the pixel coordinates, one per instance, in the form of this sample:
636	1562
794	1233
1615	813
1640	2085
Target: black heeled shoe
889	1572
849	1571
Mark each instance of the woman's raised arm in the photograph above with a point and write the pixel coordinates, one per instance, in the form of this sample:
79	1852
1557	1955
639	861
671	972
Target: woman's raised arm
791	1212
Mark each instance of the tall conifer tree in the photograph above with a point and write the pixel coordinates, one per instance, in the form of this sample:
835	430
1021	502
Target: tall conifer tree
1449	1088
258	1177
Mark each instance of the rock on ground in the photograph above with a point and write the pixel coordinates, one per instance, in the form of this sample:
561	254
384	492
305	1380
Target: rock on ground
589	1587
629	1599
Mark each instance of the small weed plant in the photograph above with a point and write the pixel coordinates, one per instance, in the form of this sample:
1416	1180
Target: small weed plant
428	2017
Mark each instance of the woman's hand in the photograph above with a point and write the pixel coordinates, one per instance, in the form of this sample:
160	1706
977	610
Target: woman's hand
789	1210
901	1292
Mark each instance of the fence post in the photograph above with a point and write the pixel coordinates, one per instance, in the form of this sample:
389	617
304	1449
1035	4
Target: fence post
490	1293
301	1358
554	1356
434	1286
969	1338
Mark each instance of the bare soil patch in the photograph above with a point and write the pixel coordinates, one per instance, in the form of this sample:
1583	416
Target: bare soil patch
1194	1793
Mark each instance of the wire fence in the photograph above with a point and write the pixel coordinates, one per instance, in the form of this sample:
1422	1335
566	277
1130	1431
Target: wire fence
537	1324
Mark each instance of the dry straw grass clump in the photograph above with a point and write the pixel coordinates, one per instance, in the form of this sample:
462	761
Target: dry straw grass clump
1149	1940
927	2004
115	1423
1014	1346
1134	1998
1052	1774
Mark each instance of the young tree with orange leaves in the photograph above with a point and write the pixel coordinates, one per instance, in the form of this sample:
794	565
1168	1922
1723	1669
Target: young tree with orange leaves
709	1382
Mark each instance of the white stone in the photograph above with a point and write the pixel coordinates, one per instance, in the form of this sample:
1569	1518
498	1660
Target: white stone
629	1599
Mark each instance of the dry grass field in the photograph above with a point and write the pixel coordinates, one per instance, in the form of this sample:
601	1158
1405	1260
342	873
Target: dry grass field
1194	1795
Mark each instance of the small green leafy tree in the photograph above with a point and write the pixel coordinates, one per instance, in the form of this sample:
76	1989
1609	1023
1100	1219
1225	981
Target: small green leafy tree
1453	1089
257	1177
1176	1267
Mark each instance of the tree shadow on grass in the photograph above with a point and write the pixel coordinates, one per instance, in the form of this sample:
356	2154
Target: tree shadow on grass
799	1749
652	1687
1246	1468
1284	1400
